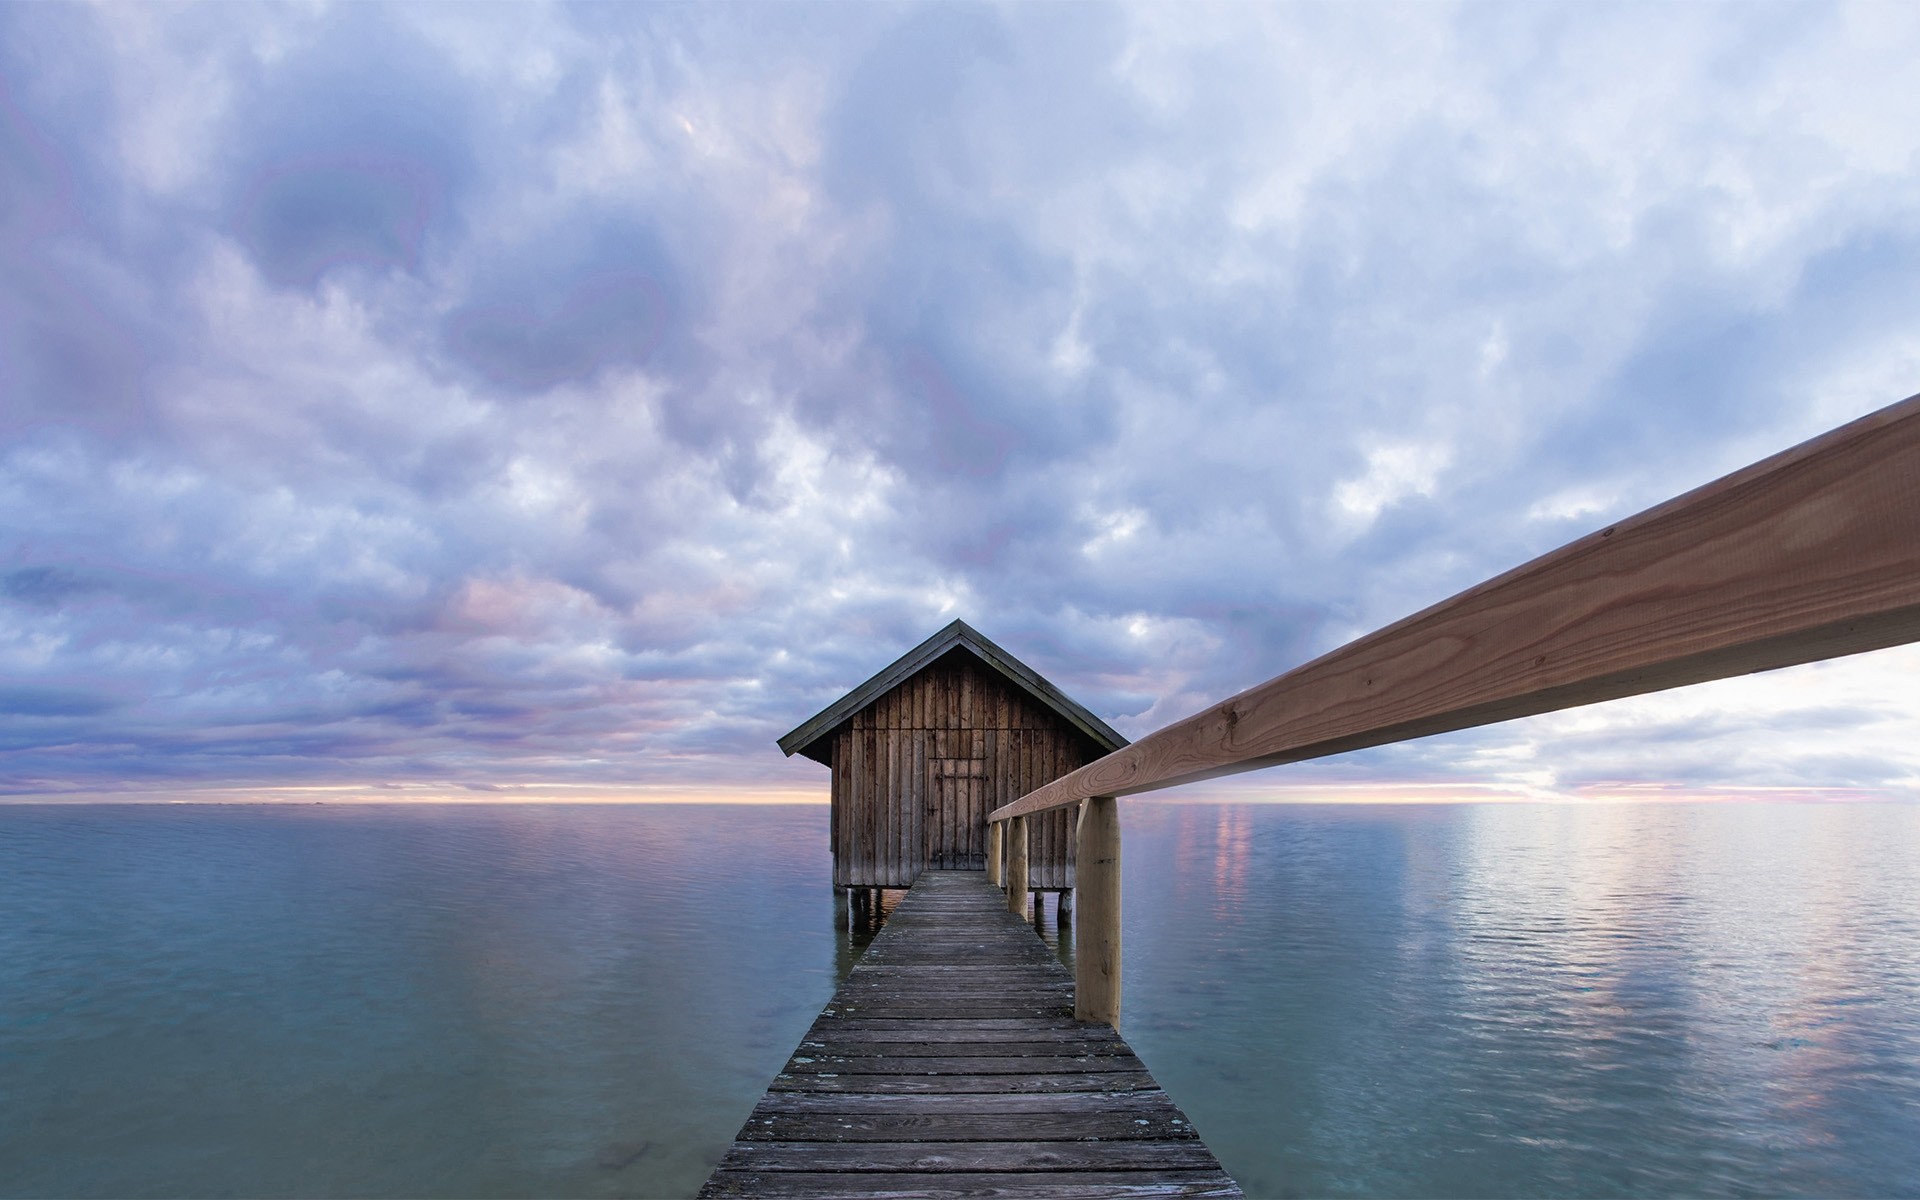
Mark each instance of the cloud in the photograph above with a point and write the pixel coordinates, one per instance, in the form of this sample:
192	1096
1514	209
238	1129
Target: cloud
1394	473
580	298
581	397
354	153
51	702
45	587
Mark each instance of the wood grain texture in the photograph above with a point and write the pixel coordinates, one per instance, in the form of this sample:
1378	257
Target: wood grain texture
962	1127
984	1185
948	1063
916	771
1017	873
1813	553
1146	1101
1096	960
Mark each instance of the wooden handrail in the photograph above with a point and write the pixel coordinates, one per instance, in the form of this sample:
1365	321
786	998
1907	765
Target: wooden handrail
1813	553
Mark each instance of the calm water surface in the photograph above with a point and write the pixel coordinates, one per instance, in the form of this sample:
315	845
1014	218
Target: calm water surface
536	1000
1504	1000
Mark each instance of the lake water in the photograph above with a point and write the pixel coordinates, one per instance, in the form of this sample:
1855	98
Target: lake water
1472	1000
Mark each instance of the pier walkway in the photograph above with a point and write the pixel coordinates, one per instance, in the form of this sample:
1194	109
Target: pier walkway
949	1064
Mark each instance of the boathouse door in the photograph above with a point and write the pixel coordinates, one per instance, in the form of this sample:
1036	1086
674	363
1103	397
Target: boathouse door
956	804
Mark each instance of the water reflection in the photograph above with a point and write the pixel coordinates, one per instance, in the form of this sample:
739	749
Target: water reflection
1454	1000
399	1001
858	920
1516	1000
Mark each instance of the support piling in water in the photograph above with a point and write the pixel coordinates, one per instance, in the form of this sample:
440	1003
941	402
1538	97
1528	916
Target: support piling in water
1017	866
1096	958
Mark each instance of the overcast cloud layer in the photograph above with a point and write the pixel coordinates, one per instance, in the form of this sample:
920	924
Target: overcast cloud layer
576	399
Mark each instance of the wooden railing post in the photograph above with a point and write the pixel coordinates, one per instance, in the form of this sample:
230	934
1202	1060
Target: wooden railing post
1096	943
1017	866
994	831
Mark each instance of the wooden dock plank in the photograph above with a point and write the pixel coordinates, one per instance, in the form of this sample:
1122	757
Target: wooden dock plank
909	1049
1051	1064
959	1033
911	1029
968	1127
1021	1155
949	1064
929	1084
1086	1185
1145	1101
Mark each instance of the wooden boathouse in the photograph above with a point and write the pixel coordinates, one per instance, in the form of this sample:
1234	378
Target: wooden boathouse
921	753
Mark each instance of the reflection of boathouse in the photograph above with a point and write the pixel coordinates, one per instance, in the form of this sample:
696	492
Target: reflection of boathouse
924	750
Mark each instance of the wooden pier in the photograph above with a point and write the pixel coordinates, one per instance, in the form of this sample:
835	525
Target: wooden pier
950	1064
958	1059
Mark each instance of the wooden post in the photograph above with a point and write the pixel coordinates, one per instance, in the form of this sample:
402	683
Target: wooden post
1096	957
1006	855
994	830
840	904
1064	913
1017	867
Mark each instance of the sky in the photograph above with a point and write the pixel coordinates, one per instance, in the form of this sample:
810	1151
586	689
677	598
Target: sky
533	402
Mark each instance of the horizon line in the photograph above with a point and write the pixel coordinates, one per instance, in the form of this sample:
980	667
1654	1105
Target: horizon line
1342	793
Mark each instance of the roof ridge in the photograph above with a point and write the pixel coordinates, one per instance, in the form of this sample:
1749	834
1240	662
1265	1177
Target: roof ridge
954	635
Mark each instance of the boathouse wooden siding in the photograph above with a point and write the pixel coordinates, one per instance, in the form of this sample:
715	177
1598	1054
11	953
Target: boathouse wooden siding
916	773
921	753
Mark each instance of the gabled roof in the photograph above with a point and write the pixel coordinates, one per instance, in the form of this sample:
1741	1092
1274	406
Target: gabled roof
960	636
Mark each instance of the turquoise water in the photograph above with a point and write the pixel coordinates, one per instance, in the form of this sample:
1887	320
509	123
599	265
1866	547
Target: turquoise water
1508	1000
532	1000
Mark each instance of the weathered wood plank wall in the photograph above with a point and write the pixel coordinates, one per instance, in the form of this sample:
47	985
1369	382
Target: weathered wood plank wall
916	772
